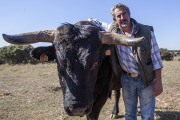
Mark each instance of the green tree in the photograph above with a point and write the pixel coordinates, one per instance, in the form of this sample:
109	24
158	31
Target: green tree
166	54
16	54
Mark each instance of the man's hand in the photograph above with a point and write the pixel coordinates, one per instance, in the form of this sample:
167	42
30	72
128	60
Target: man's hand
157	86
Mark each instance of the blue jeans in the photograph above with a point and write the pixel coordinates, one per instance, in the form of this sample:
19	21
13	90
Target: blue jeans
132	88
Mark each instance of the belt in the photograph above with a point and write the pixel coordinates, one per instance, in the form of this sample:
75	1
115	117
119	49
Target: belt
133	74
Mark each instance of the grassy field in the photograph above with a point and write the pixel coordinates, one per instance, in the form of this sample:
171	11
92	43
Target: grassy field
32	92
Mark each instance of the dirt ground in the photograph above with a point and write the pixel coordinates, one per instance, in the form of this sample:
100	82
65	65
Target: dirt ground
32	92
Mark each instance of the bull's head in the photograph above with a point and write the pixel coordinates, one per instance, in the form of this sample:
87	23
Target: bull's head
78	52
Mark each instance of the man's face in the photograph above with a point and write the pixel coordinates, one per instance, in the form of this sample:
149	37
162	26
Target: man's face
122	17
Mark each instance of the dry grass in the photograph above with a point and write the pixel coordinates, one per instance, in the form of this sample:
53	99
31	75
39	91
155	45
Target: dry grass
33	92
176	58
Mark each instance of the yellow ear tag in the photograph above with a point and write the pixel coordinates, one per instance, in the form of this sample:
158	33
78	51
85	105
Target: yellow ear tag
44	58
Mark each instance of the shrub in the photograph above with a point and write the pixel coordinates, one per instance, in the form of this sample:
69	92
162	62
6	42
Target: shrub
178	52
166	54
1	62
15	54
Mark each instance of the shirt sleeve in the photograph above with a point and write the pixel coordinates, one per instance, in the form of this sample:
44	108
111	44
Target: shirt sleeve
155	53
102	25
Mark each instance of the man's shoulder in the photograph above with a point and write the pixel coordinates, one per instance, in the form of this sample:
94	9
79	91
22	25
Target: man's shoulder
142	26
113	27
148	27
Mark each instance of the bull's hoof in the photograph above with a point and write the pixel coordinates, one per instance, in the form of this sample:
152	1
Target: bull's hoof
113	116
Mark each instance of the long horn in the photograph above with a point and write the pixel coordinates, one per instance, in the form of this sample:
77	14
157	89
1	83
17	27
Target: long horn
118	39
31	37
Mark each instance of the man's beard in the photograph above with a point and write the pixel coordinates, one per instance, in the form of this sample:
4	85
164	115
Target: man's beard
124	25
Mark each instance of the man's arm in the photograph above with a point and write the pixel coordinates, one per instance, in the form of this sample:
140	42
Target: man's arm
102	25
157	86
157	65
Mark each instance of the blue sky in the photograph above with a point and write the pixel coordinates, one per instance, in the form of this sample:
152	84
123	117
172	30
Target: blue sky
19	16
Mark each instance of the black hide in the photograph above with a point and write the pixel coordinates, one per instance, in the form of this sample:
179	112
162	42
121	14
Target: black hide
85	72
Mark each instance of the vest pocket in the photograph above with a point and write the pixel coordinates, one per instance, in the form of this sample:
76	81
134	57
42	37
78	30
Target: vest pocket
149	67
145	53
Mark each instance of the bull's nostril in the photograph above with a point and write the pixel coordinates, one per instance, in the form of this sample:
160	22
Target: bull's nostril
78	110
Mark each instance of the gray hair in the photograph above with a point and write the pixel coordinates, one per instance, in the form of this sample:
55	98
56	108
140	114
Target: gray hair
118	6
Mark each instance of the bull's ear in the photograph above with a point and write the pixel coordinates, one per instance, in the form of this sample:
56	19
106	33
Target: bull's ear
49	52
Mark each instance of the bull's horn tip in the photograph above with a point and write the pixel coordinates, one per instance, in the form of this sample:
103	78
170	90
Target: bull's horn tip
4	36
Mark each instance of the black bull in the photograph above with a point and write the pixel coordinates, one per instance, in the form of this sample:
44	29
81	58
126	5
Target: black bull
85	72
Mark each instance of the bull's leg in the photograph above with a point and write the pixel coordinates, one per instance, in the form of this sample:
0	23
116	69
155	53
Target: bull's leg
98	104
115	111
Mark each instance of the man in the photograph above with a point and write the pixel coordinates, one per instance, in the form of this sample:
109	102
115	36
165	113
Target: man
141	64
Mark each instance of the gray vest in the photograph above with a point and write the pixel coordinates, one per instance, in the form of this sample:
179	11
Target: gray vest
142	52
